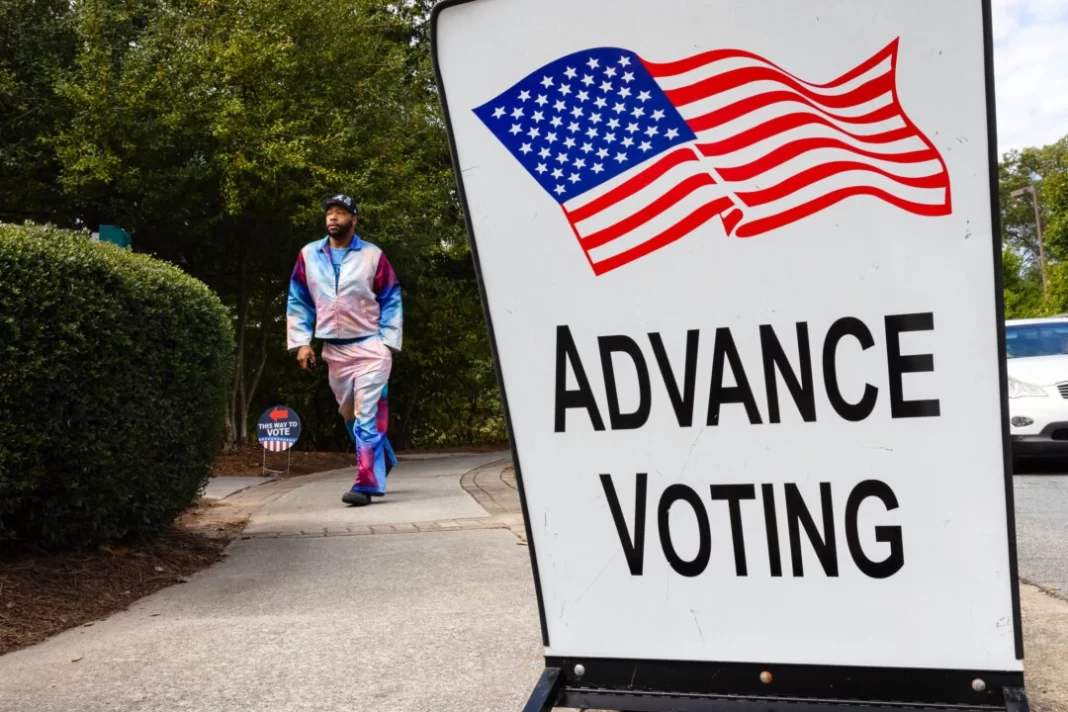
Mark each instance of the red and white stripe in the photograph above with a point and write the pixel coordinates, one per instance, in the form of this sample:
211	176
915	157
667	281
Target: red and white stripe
787	148
645	208
276	445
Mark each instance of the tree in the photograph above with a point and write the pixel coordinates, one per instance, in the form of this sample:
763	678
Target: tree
211	129
1046	168
37	43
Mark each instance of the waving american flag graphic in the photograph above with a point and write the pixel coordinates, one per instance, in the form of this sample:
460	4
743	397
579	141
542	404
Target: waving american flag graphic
640	154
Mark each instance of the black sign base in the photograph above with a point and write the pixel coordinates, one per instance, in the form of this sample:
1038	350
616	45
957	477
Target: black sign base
629	686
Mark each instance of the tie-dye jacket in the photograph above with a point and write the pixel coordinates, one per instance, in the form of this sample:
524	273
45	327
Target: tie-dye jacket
364	300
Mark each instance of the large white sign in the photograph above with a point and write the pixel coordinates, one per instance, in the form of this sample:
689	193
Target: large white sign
740	268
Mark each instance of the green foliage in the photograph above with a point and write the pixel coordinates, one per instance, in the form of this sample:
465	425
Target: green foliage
209	130
113	375
1046	168
36	45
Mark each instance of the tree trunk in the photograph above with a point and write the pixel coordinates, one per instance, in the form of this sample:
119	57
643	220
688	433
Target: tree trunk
248	389
237	406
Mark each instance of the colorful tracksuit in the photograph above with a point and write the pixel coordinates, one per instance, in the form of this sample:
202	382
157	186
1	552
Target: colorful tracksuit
357	312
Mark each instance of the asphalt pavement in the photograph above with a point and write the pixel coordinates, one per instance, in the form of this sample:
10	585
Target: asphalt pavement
1042	529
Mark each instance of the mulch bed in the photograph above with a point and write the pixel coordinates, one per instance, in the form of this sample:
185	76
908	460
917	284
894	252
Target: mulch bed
42	594
247	460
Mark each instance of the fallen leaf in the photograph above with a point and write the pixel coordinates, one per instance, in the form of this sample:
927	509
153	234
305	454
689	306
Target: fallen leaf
90	624
182	579
77	659
155	614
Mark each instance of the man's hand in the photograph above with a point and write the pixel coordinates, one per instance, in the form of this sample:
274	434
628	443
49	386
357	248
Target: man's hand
306	357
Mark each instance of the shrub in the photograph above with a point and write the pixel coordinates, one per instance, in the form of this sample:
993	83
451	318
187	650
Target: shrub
113	378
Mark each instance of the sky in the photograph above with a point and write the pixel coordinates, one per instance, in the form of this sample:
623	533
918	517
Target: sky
1030	71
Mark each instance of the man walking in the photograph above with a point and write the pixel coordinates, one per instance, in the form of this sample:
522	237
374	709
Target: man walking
347	289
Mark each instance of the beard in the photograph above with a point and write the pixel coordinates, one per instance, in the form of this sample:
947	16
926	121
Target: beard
339	228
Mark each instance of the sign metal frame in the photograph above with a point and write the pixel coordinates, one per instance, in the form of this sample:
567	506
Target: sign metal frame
674	686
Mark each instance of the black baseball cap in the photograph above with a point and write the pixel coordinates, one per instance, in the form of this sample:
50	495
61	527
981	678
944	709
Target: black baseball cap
342	200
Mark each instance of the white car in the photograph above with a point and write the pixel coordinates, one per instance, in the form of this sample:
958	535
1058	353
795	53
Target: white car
1037	351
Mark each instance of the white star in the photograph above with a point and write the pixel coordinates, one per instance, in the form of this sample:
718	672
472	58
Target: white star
593	63
525	148
621	157
610	137
638	111
577	112
603	153
645	146
559	190
611	72
570	142
499	112
574	178
524	95
546	82
652	131
561	158
628	77
592	133
565	89
538	116
631	128
583	96
579	163
597	168
606	87
624	91
551	138
518	112
534	132
625	61
542	100
516	129
545	153
613	123
587	80
619	108
570	73
573	127
557	122
644	96
658	114
559	106
601	103
557	173
595	118
587	147
673	133
542	168
628	142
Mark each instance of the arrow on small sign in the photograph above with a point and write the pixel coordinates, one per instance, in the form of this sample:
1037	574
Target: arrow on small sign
279	414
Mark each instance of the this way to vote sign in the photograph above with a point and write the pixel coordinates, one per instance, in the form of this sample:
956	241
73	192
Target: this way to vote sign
278	429
741	265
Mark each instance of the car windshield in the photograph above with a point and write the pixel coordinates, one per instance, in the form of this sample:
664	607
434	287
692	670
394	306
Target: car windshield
1030	340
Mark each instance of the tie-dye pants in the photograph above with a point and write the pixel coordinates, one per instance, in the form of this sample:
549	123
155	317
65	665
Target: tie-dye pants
359	377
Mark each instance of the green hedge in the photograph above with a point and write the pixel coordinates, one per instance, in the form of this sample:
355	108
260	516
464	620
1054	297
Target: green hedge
114	369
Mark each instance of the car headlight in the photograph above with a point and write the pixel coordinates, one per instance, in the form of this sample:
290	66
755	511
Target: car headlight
1020	389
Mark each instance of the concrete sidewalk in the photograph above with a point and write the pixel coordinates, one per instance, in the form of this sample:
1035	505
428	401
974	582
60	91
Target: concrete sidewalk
323	607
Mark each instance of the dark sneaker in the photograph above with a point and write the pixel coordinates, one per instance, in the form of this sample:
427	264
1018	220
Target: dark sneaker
357	499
